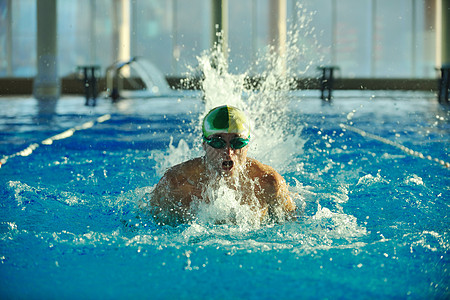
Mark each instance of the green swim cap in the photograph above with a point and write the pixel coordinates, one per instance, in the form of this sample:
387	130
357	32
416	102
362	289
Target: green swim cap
226	119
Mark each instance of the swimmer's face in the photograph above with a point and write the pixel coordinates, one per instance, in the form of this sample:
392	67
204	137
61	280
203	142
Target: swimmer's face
226	160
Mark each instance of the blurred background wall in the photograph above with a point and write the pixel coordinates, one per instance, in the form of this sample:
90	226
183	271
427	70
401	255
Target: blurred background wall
365	38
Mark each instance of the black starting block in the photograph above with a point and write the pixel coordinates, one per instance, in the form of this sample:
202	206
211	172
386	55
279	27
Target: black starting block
327	81
444	84
90	83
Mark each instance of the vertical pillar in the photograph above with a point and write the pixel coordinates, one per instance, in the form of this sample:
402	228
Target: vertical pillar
220	24
277	29
373	40
334	32
414	30
175	47
9	50
92	32
429	36
121	32
254	30
46	84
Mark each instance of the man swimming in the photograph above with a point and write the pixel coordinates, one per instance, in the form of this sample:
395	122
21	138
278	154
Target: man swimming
226	135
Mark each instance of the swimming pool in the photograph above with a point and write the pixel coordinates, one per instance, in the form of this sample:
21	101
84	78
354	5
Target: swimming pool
370	166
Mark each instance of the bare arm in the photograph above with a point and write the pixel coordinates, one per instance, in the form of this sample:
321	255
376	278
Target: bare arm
170	201
276	194
282	205
167	203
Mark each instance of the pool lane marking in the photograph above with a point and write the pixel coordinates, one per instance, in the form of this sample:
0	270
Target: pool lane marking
394	144
60	136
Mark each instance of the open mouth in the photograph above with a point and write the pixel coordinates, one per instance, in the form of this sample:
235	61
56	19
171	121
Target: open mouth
227	165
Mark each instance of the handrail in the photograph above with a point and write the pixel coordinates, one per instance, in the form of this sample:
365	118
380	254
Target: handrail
114	83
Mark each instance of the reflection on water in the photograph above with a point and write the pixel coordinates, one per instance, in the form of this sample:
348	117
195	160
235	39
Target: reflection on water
46	110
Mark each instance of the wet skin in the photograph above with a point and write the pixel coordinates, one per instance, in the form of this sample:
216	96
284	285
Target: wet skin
260	185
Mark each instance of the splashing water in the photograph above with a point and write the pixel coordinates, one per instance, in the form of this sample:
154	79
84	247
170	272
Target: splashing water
225	208
274	141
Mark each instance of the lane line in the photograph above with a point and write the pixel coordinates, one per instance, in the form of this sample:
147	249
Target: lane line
394	144
60	136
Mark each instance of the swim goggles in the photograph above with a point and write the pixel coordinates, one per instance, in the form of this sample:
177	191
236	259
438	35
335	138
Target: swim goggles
219	143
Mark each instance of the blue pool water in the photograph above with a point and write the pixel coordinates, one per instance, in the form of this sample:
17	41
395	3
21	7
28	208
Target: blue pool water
370	167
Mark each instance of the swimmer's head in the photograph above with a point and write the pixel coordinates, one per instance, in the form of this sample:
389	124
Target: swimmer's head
226	119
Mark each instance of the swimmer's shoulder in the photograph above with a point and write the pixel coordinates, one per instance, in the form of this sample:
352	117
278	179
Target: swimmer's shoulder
267	176
258	169
274	185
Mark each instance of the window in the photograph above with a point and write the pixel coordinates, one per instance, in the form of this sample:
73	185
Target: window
365	38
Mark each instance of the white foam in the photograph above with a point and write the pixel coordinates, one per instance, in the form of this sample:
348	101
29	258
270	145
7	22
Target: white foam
225	207
414	179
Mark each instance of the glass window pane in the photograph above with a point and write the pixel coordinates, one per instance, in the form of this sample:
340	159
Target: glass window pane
366	38
73	47
5	39
152	32
393	36
99	33
24	38
424	39
313	21
353	37
240	35
193	32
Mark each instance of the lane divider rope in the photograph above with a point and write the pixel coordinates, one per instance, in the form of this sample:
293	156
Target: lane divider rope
394	144
63	135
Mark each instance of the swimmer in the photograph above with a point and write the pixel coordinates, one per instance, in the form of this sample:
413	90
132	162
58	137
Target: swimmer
226	135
